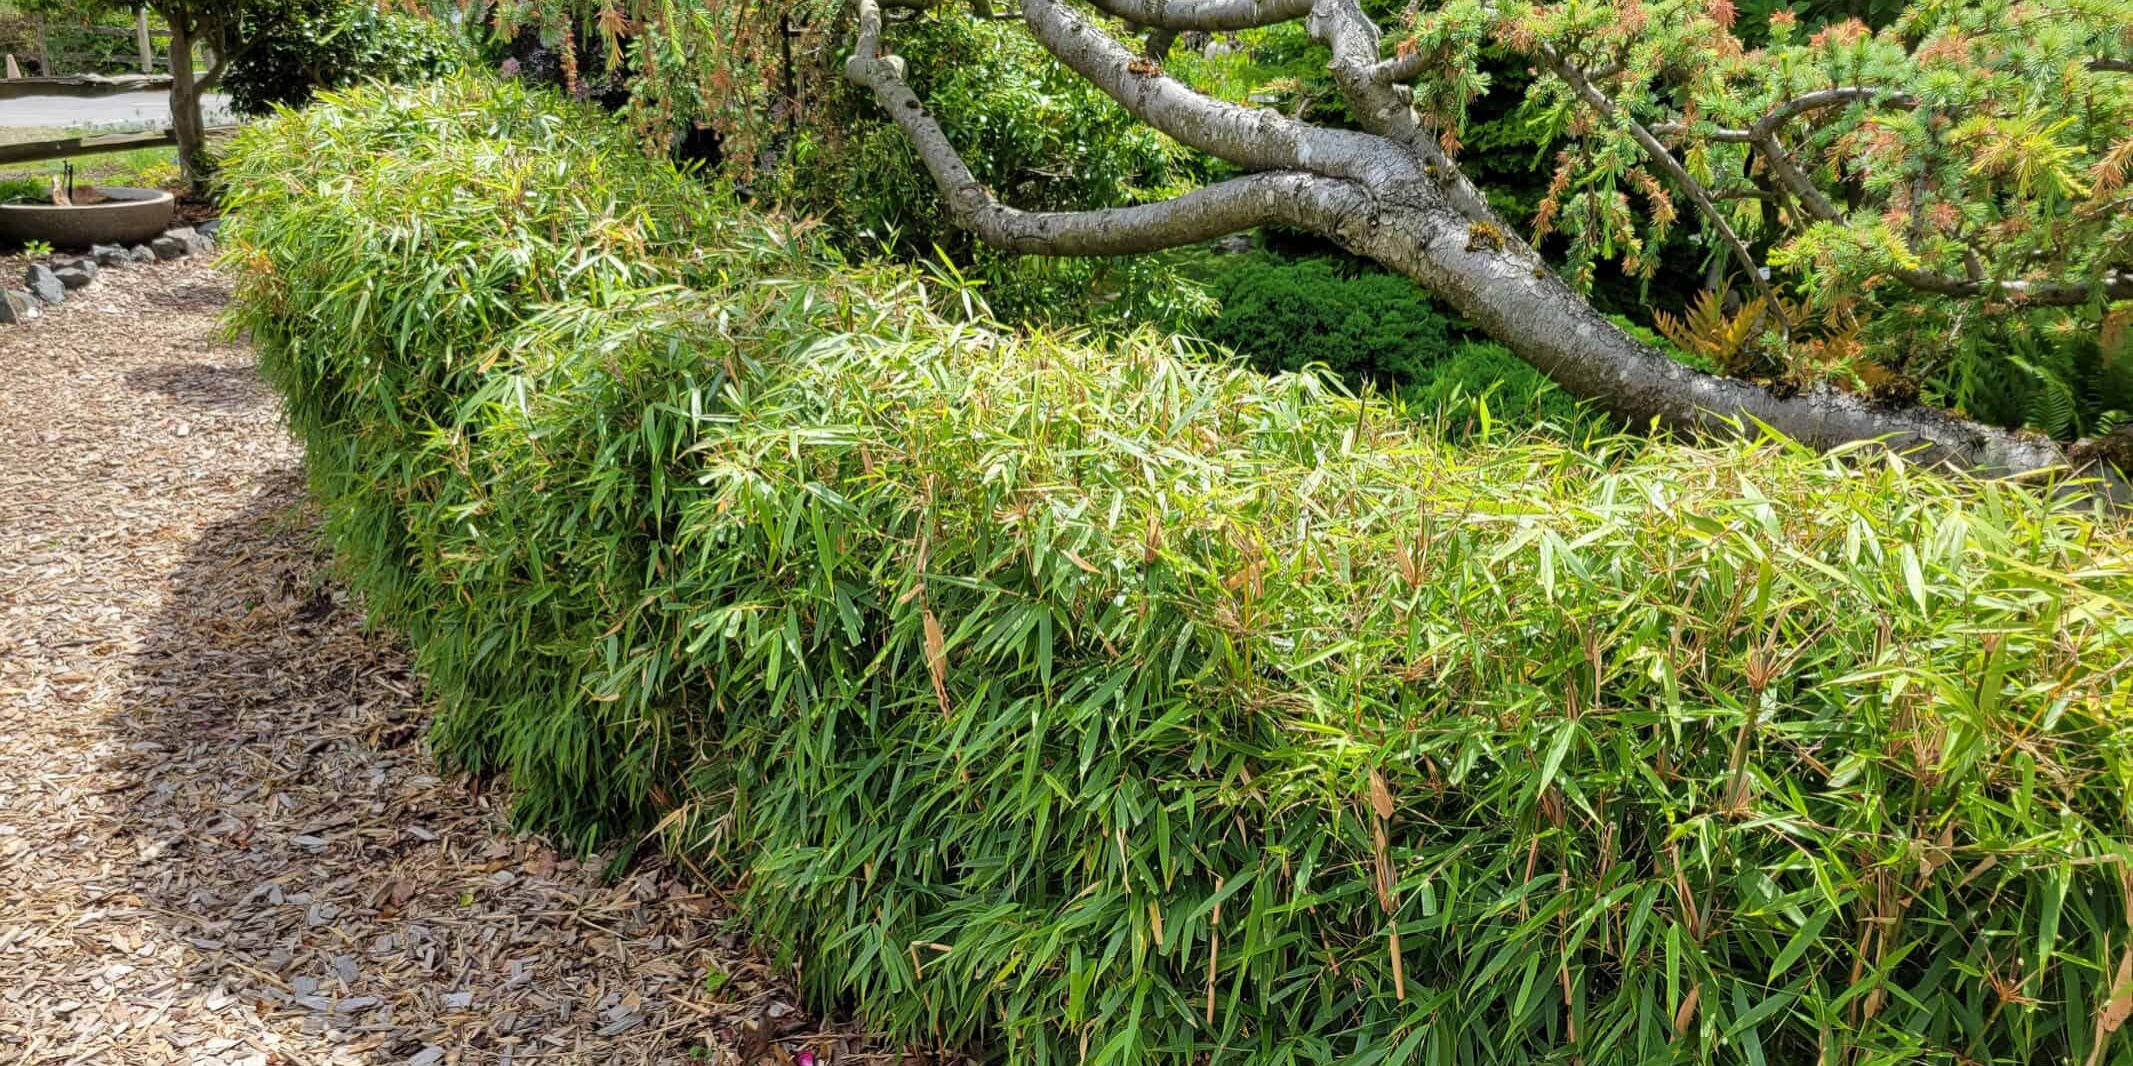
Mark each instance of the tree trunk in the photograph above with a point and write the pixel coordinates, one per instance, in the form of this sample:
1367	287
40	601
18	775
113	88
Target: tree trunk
185	120
141	40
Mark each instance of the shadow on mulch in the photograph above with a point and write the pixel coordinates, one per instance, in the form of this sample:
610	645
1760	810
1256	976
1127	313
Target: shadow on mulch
252	699
292	830
193	297
212	386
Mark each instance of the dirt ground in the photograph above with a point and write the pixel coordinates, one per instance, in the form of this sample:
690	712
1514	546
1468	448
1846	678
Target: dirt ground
221	840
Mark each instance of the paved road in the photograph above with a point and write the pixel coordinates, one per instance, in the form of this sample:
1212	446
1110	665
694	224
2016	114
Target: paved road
119	111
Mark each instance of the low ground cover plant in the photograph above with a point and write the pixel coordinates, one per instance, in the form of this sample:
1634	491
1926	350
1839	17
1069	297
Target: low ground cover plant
1114	703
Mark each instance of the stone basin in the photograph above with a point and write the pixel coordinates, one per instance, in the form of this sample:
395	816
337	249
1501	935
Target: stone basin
130	216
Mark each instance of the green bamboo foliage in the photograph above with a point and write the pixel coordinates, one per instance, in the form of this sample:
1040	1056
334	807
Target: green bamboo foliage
1105	703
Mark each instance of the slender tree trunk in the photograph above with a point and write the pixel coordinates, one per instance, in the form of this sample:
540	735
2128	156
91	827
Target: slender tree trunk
141	41
185	119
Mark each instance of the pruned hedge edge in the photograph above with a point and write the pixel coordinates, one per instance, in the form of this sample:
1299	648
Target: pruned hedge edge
1103	702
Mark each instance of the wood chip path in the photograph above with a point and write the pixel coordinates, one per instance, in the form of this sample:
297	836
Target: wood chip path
221	840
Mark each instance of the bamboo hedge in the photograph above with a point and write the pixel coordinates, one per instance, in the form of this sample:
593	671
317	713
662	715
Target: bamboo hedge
1079	701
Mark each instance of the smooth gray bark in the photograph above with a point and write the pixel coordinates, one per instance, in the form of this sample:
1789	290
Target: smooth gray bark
1206	15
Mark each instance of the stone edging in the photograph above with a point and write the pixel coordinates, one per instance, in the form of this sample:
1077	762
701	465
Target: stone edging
45	285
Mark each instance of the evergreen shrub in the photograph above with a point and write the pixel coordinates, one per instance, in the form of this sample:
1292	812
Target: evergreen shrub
1111	704
1366	327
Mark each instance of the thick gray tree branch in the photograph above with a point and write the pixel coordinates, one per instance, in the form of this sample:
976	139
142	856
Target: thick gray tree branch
1253	138
1206	15
1383	107
1201	215
1377	195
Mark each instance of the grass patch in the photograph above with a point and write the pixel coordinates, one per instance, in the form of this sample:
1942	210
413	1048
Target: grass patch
142	167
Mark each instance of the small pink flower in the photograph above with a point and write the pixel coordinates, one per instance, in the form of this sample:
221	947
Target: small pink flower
510	66
803	1057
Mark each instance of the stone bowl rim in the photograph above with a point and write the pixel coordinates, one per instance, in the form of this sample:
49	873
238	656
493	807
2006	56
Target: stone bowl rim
151	196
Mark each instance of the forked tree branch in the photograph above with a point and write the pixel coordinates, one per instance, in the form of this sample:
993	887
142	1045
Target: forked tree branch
1385	108
1205	15
1380	195
1201	215
1253	138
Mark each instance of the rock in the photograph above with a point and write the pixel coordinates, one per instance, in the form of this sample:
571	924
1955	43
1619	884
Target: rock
109	255
141	253
73	277
208	228
44	284
84	264
196	243
1234	244
169	247
17	306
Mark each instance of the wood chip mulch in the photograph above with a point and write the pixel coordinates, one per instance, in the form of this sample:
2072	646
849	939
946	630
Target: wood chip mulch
221	839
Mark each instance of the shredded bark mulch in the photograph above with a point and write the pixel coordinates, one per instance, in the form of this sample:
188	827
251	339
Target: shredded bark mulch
221	840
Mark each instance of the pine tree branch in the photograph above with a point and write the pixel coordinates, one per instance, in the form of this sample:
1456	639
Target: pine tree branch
1664	159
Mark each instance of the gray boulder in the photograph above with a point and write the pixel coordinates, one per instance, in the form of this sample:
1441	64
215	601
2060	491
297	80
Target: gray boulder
209	228
17	306
168	247
196	243
141	253
85	264
73	277
44	284
109	255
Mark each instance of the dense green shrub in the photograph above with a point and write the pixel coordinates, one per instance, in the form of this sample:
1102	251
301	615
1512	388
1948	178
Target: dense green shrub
1481	388
1112	705
1363	325
325	44
1373	328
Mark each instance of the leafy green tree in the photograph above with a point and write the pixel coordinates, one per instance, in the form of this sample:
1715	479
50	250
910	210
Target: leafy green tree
220	32
1871	188
327	44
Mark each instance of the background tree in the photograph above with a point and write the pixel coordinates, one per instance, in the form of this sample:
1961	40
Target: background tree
214	32
225	30
328	44
1942	181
